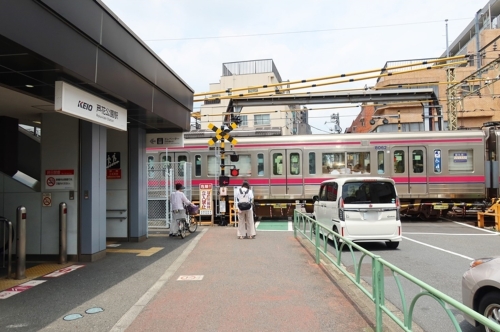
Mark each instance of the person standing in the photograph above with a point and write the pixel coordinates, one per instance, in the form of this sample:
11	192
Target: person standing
244	200
178	201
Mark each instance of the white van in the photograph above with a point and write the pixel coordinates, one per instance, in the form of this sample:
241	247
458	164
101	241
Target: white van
361	209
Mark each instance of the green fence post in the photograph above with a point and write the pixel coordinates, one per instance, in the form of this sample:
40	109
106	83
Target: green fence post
378	291
295	223
316	242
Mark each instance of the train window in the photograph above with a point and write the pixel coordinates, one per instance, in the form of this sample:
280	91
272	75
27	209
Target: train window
260	164
213	165
277	164
244	164
460	161
333	163
380	162
181	160
151	166
197	165
312	162
358	162
294	163
399	161
418	161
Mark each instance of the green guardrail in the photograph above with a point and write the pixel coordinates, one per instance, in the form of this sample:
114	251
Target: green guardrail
310	229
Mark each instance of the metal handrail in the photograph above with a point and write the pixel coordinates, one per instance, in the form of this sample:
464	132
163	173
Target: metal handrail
8	223
310	229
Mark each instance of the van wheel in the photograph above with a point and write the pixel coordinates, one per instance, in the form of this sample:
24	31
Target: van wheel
392	245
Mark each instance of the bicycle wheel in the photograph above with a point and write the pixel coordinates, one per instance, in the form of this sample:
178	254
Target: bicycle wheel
182	228
193	225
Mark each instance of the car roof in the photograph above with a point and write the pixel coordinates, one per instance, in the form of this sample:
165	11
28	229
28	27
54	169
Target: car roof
342	180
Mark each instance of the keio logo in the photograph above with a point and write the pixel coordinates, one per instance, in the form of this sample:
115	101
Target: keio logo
84	105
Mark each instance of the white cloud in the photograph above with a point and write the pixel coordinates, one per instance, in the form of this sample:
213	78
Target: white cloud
367	34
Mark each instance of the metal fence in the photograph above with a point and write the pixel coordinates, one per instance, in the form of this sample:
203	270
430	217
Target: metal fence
310	229
162	178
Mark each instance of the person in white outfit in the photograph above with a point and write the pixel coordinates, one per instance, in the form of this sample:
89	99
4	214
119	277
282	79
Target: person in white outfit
246	226
178	201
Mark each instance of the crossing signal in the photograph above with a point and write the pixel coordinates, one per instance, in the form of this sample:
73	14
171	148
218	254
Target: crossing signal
234	158
235	172
223	181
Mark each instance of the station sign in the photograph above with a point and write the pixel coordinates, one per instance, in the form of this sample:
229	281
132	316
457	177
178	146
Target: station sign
75	102
165	140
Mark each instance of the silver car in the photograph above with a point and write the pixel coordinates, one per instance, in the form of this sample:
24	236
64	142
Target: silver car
481	289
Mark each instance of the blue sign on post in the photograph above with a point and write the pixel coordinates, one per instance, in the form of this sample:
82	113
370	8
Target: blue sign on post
437	161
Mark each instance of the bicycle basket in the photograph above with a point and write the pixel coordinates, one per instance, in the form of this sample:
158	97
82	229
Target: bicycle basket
193	209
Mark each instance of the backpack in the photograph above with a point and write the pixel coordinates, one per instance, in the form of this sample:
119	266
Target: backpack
244	202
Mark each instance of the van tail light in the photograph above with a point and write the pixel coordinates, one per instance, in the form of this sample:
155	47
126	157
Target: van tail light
398	207
341	209
342	231
399	230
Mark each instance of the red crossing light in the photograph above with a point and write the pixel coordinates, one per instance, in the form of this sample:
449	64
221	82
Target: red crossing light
235	172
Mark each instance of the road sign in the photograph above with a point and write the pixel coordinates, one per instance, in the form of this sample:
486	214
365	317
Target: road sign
222	134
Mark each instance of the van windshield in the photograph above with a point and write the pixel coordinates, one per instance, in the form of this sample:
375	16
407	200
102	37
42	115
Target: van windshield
368	192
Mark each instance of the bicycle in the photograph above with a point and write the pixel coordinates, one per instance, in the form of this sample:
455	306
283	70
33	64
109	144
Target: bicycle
186	225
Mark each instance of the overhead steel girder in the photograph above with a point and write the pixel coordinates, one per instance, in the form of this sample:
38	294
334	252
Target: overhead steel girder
363	96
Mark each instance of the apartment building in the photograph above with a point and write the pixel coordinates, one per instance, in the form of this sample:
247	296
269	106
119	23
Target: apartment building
250	77
476	90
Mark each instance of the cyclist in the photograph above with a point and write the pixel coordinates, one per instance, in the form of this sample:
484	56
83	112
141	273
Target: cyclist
178	201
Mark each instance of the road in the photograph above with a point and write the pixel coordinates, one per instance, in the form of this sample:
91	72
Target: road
437	253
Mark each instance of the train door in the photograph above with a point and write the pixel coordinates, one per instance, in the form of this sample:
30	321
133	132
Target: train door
409	169
286	172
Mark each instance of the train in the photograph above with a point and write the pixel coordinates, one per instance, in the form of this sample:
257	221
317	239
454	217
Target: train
433	171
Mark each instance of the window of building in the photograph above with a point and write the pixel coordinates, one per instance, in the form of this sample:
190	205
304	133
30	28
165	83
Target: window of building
243	120
460	161
262	120
312	162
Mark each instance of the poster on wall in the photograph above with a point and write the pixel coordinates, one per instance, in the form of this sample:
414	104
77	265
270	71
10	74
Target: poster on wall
205	199
59	179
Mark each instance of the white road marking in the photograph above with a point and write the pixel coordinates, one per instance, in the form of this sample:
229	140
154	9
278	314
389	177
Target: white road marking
495	234
434	247
482	229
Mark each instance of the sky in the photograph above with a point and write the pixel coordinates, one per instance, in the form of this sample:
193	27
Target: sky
305	39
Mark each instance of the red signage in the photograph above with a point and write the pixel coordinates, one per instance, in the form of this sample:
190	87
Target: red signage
113	173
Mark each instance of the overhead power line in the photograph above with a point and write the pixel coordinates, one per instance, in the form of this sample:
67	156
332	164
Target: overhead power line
304	31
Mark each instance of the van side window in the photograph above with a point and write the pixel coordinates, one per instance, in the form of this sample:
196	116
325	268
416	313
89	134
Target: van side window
322	193
331	192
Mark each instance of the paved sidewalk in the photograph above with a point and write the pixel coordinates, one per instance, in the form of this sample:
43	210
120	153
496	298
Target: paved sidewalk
270	283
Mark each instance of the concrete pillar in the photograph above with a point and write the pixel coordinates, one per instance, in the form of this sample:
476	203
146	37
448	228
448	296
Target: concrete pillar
92	192
138	200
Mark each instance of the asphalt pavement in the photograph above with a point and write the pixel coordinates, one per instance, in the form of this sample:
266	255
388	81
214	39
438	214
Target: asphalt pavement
209	281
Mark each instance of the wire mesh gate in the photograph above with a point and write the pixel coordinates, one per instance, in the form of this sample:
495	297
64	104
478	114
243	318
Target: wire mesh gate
162	177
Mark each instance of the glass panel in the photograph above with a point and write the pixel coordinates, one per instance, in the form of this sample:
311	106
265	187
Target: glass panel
262	120
294	163
197	165
213	165
460	161
373	192
312	162
181	160
260	164
380	162
358	162
399	161
331	192
333	163
151	173
277	164
244	121
244	164
418	161
322	193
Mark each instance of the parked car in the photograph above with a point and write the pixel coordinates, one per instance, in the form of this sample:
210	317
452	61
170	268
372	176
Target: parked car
481	289
361	209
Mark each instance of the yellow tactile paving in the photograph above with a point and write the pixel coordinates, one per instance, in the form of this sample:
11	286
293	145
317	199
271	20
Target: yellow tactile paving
140	252
31	273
